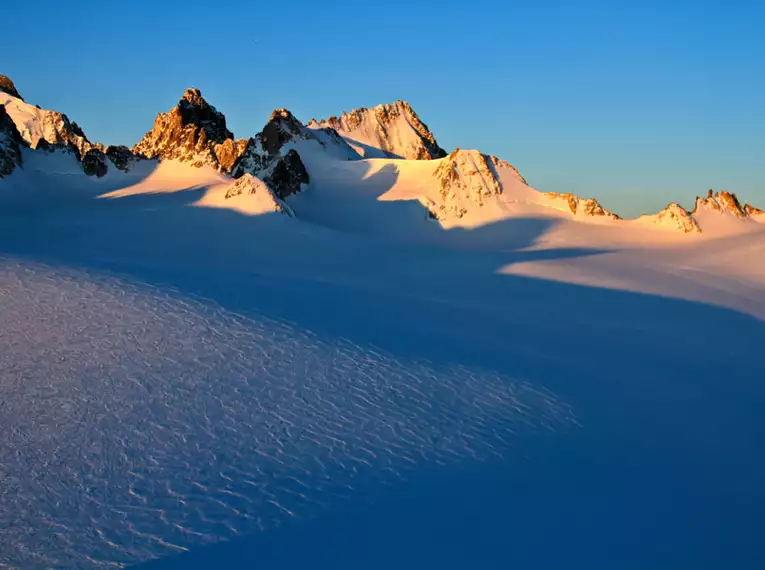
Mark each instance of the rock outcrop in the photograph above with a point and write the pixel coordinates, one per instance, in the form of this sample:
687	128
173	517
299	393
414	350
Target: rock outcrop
193	131
7	86
94	163
121	157
582	206
385	131
11	144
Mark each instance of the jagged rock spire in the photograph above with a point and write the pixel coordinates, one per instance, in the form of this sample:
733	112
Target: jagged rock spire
193	131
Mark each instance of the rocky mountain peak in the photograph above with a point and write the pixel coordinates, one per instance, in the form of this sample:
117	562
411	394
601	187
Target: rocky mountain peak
281	128
752	211
723	202
386	131
7	86
193	131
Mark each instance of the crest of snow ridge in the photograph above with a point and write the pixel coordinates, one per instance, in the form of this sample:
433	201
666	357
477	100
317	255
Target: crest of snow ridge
394	129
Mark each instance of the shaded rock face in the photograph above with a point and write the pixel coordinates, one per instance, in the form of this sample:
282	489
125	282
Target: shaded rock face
11	144
288	175
7	86
194	131
281	128
393	128
121	157
94	163
582	206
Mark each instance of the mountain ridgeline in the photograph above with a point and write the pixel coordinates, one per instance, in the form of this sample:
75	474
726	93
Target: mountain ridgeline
462	186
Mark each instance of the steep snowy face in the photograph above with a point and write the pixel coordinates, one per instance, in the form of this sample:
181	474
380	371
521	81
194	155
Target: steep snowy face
582	206
10	144
39	126
193	131
7	86
674	218
385	131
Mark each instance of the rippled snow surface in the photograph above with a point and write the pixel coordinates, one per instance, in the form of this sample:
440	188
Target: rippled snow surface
136	422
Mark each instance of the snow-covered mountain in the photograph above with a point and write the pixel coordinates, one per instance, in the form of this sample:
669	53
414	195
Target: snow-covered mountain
382	154
386	131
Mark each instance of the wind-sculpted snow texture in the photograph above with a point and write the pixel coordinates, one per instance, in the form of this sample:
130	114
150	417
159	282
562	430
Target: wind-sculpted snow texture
137	423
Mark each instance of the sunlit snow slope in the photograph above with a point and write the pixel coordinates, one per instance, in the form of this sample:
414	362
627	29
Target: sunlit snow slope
193	377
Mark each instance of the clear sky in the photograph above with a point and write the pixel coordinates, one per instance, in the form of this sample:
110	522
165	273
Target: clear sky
637	103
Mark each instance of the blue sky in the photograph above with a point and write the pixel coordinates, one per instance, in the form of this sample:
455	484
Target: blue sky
635	103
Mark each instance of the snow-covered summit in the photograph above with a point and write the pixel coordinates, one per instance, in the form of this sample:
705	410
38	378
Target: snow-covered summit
385	131
193	131
675	218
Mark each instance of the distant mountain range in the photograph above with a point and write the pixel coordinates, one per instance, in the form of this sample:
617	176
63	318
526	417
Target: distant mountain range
463	187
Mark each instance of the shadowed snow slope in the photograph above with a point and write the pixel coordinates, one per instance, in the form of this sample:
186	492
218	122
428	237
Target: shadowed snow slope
517	390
